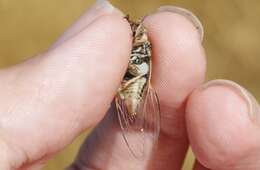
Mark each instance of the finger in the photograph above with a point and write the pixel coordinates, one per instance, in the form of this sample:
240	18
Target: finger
53	97
199	166
100	8
223	126
179	67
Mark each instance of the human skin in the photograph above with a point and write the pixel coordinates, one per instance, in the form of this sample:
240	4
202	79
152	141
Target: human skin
48	100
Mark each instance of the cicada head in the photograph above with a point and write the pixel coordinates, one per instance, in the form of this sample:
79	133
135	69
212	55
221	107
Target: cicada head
138	65
141	53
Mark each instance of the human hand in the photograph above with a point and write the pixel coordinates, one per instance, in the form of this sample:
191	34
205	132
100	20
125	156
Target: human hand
50	99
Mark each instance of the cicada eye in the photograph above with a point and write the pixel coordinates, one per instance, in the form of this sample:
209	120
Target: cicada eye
137	60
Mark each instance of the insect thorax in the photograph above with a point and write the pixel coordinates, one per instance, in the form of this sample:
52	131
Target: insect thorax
136	79
139	64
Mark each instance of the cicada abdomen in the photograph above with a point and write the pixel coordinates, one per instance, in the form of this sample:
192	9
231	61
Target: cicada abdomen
136	102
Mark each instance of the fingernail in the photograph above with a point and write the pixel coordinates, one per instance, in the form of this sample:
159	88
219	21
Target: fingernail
187	14
253	106
106	6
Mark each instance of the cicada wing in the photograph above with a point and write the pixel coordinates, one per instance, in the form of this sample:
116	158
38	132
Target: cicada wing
132	129
152	116
140	131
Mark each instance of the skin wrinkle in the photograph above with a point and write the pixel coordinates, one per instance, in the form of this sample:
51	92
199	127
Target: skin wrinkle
171	118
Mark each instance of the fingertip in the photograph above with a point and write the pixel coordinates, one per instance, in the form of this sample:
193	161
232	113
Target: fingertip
105	41
98	9
186	14
219	126
111	28
176	24
88	67
103	48
179	58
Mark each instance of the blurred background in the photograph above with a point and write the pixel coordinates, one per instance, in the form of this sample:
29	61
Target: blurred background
231	38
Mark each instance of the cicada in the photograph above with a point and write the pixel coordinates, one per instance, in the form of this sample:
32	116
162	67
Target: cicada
136	101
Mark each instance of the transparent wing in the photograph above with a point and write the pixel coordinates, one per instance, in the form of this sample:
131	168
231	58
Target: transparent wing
152	115
140	131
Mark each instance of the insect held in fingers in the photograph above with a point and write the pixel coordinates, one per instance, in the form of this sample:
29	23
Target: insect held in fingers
136	101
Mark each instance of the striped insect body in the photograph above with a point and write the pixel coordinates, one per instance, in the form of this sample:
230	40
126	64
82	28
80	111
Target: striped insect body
136	102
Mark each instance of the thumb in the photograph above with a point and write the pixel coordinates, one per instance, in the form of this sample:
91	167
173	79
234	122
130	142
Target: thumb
48	100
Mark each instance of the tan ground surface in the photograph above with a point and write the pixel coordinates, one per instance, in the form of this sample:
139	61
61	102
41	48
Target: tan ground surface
231	38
